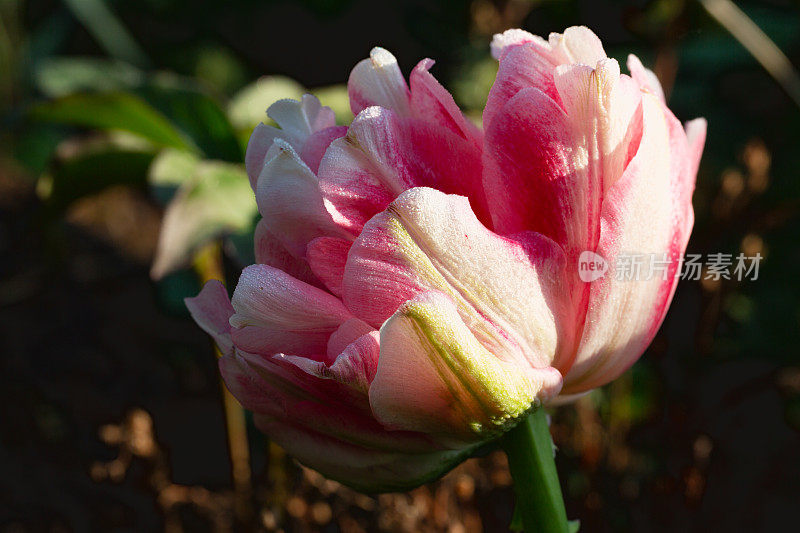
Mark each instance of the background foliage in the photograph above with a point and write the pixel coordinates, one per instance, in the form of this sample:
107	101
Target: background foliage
123	130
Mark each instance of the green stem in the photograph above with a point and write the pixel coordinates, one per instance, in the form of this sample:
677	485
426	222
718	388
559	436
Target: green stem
530	458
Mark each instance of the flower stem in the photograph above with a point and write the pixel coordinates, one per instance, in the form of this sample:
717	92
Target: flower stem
530	457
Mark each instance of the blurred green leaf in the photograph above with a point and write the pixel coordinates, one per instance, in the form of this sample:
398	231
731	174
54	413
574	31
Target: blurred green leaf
108	29
112	111
215	201
197	115
66	75
93	171
249	106
171	169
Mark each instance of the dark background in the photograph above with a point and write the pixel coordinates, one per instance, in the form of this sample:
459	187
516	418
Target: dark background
110	411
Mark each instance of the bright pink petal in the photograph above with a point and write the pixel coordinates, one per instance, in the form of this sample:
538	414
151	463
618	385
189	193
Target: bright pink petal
276	313
212	309
433	103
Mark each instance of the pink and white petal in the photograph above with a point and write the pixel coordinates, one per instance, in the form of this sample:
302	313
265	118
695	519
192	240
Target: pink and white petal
260	142
510	292
521	67
212	310
578	44
509	39
316	144
696	137
433	103
326	257
282	388
377	81
269	250
602	108
435	376
643	213
299	119
645	77
384	154
290	201
278	313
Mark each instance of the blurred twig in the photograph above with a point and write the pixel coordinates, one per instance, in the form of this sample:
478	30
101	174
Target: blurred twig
208	265
757	43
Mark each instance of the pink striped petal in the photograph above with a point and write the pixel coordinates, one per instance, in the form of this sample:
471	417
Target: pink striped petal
510	292
431	102
385	154
624	315
316	144
277	313
328	426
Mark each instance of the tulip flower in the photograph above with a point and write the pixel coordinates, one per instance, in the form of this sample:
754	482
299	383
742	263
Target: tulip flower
418	293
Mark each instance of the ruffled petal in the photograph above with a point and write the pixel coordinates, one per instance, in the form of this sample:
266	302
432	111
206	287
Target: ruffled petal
276	313
511	293
269	250
326	257
436	377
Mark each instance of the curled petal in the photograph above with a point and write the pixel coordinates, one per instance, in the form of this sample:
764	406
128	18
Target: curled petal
434	376
326	257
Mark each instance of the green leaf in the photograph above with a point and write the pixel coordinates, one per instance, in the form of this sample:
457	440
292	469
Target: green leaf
249	106
574	526
197	115
61	76
113	111
217	200
93	171
171	169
